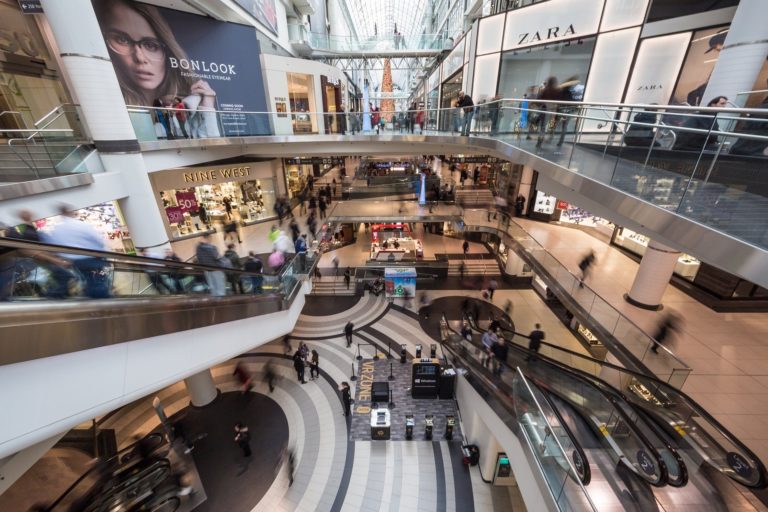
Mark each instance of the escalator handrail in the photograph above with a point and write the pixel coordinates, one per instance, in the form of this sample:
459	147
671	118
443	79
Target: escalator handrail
668	389
503	392
587	471
151	264
610	396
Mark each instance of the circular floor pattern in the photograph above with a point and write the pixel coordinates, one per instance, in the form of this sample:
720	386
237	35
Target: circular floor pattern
231	481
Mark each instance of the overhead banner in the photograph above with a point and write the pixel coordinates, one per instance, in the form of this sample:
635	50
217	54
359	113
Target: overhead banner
161	54
263	10
551	21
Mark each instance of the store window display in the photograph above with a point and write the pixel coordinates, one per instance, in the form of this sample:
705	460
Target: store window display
199	209
687	266
106	218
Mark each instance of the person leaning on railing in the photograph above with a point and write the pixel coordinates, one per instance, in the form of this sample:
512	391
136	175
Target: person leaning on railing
696	141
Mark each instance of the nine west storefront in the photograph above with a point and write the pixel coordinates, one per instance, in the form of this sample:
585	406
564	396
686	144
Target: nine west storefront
195	200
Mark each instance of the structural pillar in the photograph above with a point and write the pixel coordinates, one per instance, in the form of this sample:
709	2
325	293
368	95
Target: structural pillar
88	69
743	54
201	388
653	276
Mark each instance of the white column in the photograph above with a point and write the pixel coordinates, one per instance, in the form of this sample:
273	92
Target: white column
201	388
743	54
653	276
90	75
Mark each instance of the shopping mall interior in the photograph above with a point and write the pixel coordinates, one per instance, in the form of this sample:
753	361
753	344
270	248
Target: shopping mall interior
403	255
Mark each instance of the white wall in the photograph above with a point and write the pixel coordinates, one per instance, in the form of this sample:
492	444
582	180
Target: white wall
44	397
478	421
275	69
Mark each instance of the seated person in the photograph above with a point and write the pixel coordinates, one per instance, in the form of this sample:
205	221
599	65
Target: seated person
641	135
698	141
396	244
385	245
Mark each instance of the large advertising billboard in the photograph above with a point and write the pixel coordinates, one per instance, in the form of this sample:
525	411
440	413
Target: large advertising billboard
698	65
264	11
162	56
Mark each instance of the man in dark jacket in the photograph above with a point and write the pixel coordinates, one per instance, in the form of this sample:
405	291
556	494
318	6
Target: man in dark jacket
536	337
466	103
207	254
500	352
348	333
254	266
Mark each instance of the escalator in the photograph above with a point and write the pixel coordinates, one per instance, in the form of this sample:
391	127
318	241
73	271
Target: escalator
682	421
139	477
624	439
673	414
132	325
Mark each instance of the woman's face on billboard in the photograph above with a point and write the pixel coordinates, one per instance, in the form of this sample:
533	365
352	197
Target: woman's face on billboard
136	47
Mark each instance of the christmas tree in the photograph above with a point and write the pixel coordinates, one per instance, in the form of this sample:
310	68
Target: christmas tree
387	104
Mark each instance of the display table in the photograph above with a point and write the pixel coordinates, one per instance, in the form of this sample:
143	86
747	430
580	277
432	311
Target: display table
407	248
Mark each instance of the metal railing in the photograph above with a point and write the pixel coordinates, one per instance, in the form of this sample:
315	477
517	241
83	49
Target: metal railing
389	42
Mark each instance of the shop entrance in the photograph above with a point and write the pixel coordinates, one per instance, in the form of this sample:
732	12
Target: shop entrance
450	116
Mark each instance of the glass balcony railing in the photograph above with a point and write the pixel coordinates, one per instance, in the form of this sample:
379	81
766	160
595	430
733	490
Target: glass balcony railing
701	163
380	43
596	310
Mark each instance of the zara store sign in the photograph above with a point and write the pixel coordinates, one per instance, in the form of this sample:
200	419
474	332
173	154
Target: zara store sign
552	21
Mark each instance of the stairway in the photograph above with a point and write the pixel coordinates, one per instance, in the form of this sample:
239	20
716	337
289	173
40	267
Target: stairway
473	198
474	267
330	285
25	162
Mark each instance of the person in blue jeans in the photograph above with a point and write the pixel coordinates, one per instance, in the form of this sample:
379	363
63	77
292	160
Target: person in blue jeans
72	232
466	103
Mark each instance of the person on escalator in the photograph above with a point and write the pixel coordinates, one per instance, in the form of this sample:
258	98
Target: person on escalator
466	331
500	352
488	339
536	337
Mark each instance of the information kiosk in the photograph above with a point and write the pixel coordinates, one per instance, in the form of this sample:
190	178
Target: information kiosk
425	378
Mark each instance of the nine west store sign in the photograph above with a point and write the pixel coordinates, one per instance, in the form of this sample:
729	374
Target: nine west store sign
552	21
189	177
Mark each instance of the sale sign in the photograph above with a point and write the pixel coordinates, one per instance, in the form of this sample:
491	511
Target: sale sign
175	214
186	201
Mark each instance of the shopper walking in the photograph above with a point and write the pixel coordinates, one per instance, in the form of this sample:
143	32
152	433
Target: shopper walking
254	266
269	376
243	439
534	344
550	92
298	365
493	285
244	377
322	206
347	277
346	398
314	365
585	265
670	323
465	246
466	103
348	333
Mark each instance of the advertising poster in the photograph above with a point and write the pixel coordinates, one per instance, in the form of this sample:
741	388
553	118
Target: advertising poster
698	65
160	55
400	282
186	201
175	214
263	10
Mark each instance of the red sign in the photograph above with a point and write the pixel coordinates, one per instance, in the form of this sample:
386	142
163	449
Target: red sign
186	201
562	205
175	214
